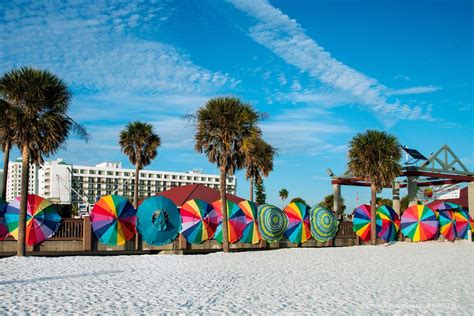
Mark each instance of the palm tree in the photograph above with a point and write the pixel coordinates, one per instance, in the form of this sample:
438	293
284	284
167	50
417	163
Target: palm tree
374	157
222	126
6	140
258	160
140	143
283	195
328	202
39	103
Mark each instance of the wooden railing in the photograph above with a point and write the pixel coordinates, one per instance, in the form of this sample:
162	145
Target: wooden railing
346	231
70	229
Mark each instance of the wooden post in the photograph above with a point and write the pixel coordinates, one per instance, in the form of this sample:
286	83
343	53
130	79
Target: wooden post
182	243
137	241
336	189
412	187
470	204
86	234
396	197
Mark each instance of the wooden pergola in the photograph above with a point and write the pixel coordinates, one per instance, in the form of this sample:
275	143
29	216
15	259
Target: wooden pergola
442	167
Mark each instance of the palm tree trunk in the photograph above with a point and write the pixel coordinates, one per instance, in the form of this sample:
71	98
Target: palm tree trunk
223	191
373	227
6	158
135	202
251	189
25	173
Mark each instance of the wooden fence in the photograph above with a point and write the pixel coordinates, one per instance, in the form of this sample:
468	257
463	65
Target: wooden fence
346	231
76	236
70	229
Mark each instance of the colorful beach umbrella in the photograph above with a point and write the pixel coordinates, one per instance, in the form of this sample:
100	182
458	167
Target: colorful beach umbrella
42	219
323	223
447	225
113	220
462	223
388	223
361	221
236	221
3	225
298	230
272	222
158	220
199	221
443	206
250	234
419	223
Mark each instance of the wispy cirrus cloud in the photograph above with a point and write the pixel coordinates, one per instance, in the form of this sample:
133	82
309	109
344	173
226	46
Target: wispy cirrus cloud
90	45
115	75
413	90
286	38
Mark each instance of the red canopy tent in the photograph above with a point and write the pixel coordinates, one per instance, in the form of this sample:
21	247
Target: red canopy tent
179	195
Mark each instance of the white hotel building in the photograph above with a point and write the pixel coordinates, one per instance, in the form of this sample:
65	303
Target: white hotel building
65	183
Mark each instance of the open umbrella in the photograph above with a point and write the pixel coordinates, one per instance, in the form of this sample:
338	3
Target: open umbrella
462	223
447	224
42	219
419	223
323	223
113	220
361	222
443	206
388	223
235	218
3	225
158	220
272	222
199	221
298	230
250	234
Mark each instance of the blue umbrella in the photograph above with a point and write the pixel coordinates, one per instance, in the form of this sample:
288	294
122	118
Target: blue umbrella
158	220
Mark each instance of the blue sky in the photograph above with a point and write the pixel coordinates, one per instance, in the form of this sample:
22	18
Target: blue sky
322	70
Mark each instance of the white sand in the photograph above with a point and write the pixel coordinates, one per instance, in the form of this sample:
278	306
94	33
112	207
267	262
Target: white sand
432	277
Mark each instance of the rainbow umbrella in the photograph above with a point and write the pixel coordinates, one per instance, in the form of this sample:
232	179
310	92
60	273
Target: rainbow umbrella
323	223
443	206
361	222
42	219
236	220
298	230
113	220
250	233
158	220
462	223
419	223
447	225
198	221
272	222
388	223
3	225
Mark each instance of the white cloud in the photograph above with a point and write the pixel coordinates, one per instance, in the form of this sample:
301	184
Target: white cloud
282	79
320	97
286	38
295	85
88	44
297	131
115	77
413	90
